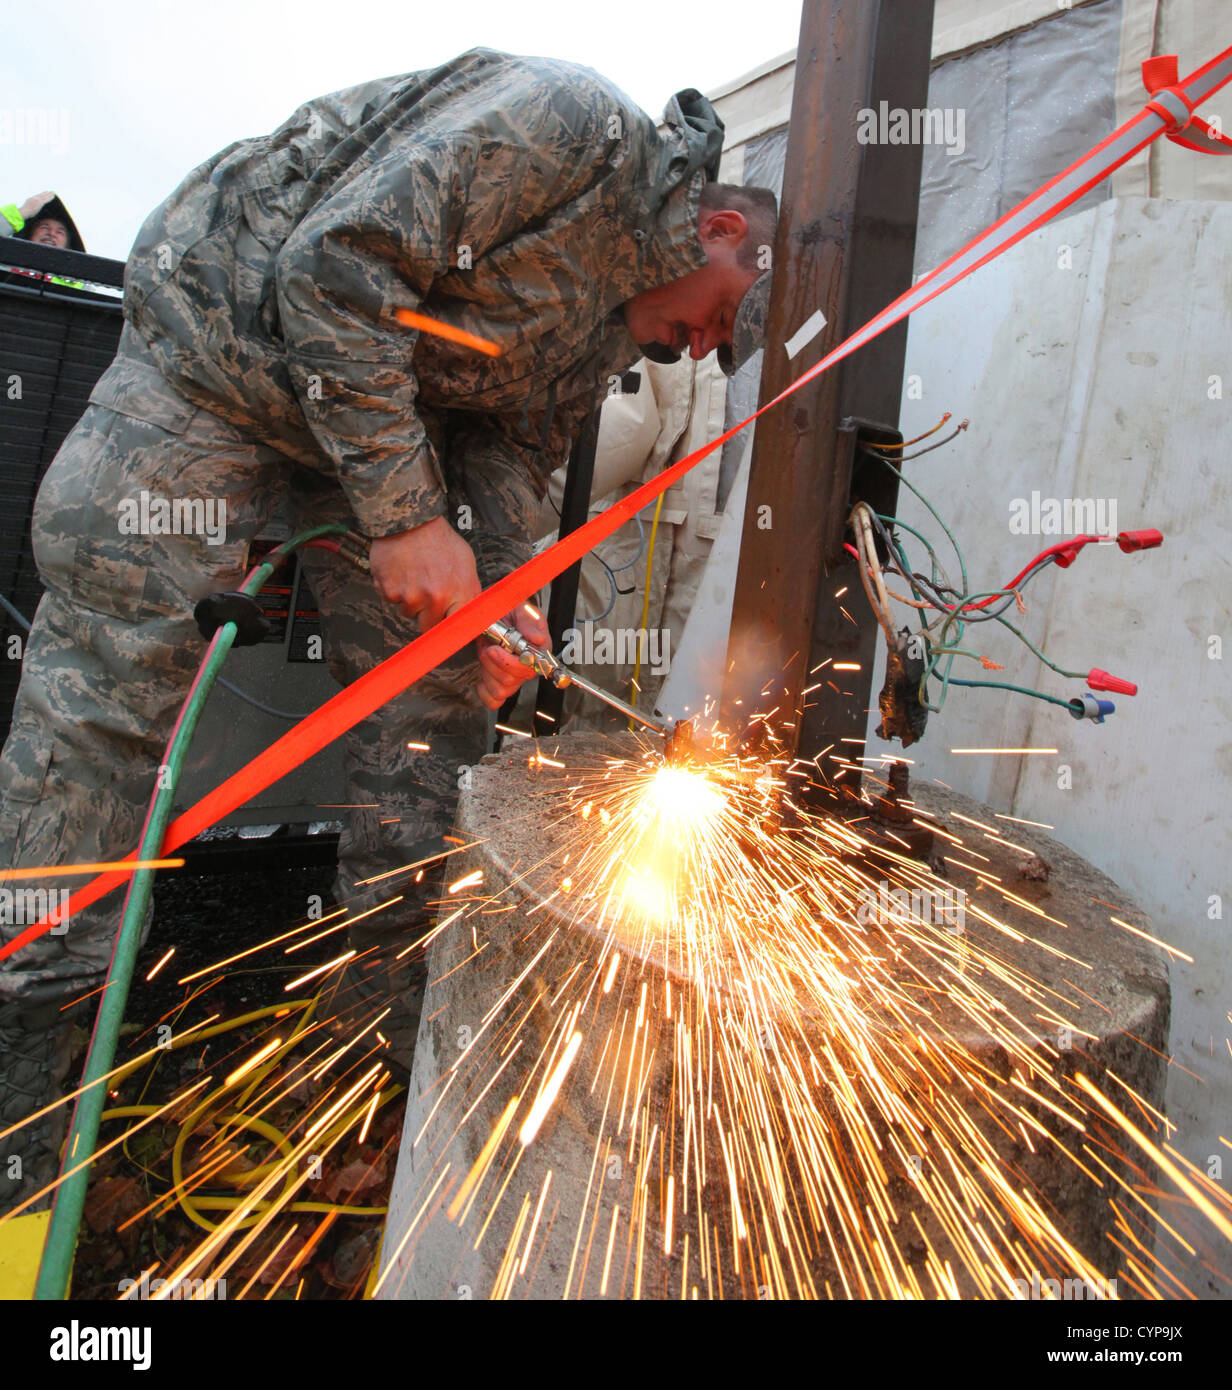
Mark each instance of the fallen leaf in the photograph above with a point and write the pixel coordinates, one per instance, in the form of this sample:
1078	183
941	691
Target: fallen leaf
344	1184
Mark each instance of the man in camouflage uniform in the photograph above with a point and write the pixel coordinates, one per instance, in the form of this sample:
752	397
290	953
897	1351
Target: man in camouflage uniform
523	200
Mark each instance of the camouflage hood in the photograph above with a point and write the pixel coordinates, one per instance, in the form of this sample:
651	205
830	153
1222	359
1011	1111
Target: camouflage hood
698	137
523	200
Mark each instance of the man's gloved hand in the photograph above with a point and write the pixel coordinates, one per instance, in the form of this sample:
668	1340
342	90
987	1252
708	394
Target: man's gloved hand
500	672
427	572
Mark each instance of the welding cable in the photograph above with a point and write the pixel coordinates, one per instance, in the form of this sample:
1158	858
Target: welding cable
194	1036
194	1207
69	1202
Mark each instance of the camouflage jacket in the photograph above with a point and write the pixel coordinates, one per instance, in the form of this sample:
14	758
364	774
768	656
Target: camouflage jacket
521	199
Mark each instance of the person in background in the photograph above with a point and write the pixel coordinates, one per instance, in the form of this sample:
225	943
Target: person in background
660	413
44	220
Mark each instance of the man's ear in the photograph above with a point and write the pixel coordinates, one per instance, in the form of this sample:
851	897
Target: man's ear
723	224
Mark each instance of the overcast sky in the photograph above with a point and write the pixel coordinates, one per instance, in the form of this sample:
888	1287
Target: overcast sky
135	93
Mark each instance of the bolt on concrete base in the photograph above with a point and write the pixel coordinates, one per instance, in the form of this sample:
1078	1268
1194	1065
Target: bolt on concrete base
643	1180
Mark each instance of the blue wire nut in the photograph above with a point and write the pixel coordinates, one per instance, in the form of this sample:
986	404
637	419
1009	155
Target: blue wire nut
1088	706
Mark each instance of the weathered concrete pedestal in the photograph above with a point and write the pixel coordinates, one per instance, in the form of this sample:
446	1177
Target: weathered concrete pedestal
633	1189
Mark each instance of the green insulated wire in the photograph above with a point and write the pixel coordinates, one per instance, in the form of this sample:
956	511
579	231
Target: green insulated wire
962	564
1074	675
1017	689
58	1250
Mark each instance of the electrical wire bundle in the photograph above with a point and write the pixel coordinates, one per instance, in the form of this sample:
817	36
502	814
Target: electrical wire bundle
945	610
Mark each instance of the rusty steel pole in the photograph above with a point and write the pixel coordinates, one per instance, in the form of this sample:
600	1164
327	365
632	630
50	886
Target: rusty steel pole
845	245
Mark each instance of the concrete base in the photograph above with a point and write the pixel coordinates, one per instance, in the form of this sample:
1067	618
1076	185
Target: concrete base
659	1174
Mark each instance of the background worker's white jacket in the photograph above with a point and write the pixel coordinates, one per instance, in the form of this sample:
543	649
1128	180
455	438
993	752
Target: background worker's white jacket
673	411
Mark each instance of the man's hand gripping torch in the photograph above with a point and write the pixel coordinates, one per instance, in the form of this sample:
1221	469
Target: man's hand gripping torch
677	736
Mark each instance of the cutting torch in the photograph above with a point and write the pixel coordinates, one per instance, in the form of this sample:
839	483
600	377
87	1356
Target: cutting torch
551	668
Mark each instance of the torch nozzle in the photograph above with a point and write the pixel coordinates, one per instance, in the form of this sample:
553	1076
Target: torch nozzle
678	746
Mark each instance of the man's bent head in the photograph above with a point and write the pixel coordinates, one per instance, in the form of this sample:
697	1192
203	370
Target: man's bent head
698	312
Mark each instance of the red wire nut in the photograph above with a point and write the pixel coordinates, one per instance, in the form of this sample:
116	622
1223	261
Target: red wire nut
1139	540
1101	680
1066	552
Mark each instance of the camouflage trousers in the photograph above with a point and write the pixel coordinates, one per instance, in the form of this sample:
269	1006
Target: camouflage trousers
114	648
